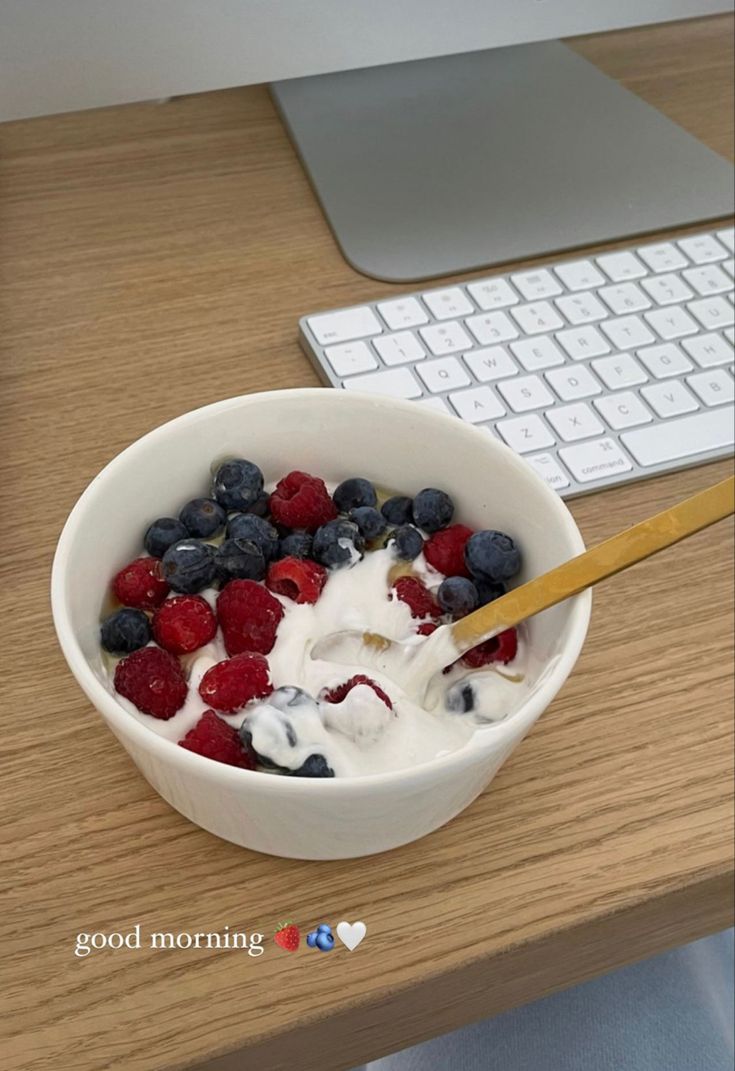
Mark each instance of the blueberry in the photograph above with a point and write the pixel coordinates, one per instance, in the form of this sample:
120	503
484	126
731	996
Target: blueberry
492	556
354	492
289	696
315	766
311	939
239	559
125	631
369	520
398	510
257	530
162	534
407	542
488	590
237	484
189	566
461	698
324	942
324	928
457	596
335	542
203	517
432	509
262	504
295	545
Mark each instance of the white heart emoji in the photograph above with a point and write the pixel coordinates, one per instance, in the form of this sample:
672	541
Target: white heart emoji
351	934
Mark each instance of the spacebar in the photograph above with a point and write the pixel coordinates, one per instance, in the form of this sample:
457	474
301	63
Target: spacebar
675	440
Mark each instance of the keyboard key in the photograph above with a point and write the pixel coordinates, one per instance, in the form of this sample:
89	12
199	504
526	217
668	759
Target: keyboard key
435	403
537	284
491	328
708	350
712	312
595	461
579	275
662	256
492	294
349	358
403	312
729	334
686	437
624	298
524	434
708	280
549	468
666	289
525	393
623	410
344	326
665	361
537	353
669	399
444	373
713	388
477	405
399	349
620	370
449	303
537	318
729	266
581	342
574	383
396	383
702	248
671	323
445	338
727	237
619	267
581	308
491	363
628	332
572	422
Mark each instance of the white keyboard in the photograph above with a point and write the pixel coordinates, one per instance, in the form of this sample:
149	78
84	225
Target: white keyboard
598	371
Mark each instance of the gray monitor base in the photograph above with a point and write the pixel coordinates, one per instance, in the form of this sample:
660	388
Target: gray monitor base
451	164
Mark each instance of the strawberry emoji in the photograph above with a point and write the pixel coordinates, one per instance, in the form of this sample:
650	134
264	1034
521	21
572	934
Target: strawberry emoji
288	936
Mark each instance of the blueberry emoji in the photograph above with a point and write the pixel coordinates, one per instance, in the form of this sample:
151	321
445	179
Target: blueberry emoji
324	928
325	942
311	939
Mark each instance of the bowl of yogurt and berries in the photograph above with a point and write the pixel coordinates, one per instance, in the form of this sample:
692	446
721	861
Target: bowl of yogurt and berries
201	578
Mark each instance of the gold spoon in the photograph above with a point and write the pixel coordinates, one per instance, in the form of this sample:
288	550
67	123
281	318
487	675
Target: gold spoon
412	664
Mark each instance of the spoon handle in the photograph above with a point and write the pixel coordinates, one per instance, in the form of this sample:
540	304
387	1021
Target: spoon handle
615	554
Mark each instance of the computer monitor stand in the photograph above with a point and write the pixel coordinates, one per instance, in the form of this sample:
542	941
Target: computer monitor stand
451	164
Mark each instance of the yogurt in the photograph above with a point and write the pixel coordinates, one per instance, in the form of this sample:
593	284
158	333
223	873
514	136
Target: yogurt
359	735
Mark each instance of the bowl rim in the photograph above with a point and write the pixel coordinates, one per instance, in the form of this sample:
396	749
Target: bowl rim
485	738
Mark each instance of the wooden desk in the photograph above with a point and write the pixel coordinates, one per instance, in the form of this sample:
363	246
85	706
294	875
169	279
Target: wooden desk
155	258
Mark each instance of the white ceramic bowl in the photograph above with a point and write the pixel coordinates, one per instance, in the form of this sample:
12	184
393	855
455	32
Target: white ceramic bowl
334	434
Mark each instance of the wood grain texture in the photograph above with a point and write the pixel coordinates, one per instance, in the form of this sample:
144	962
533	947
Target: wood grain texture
154	258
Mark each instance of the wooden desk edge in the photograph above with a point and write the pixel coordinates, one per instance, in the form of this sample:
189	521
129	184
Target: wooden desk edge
487	986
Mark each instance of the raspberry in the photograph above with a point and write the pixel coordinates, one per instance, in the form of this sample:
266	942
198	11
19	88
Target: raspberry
297	579
445	550
231	684
183	623
140	584
501	648
411	590
336	695
217	740
302	501
249	616
153	680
